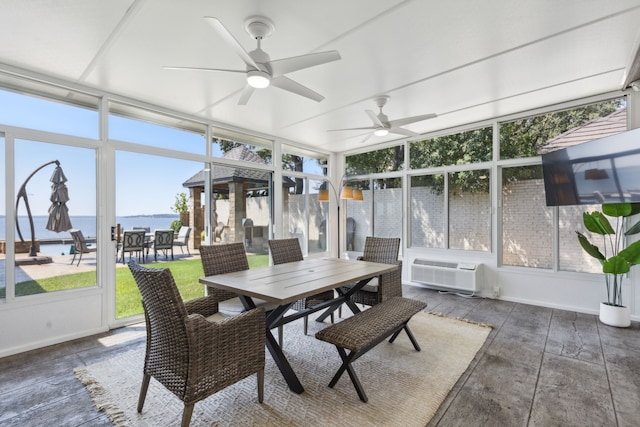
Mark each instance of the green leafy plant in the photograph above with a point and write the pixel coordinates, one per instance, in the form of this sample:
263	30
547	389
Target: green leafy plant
176	224
617	259
181	205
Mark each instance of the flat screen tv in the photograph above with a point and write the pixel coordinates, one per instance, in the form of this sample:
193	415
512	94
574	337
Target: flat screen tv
605	170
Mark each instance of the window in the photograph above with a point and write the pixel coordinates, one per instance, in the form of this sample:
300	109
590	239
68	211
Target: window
49	115
224	142
305	217
34	169
531	136
527	223
132	124
299	160
359	220
427	213
457	149
469	210
384	160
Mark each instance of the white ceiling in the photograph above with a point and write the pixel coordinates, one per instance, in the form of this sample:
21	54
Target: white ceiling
465	60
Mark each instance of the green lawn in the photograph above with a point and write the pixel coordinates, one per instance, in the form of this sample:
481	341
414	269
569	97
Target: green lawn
185	272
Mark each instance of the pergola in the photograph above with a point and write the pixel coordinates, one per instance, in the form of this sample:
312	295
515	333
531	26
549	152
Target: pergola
234	183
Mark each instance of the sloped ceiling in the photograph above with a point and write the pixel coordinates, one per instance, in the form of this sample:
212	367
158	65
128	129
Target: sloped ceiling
464	60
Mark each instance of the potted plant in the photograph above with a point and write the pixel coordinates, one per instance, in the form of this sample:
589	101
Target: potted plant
617	258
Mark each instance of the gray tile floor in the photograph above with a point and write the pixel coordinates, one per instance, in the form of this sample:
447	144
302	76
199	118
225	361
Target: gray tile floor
539	367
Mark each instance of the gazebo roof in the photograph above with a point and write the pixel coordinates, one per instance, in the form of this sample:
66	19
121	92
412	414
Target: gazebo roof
222	175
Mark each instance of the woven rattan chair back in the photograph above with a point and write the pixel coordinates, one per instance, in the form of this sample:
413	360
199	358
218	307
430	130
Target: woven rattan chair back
381	249
285	250
288	250
221	259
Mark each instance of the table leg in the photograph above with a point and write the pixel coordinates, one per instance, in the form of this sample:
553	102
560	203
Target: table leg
282	363
344	298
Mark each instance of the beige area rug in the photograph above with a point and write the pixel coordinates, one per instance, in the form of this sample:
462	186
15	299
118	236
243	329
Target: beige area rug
404	387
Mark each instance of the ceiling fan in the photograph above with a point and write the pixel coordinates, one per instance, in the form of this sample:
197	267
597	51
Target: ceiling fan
383	126
260	70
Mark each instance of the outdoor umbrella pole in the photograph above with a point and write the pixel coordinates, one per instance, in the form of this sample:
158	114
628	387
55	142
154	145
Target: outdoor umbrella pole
58	209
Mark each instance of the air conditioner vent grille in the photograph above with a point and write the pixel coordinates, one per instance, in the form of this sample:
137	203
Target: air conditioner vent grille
460	276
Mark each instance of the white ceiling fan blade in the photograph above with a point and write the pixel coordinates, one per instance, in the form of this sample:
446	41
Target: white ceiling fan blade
366	138
287	65
245	95
402	131
231	41
289	85
409	120
166	67
374	118
337	130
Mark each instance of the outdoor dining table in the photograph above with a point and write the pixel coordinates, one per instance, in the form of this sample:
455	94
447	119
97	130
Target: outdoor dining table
284	284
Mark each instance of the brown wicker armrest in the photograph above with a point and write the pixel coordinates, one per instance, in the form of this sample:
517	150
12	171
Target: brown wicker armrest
227	351
390	284
205	306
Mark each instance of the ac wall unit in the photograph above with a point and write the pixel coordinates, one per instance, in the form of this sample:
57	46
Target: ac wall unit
453	275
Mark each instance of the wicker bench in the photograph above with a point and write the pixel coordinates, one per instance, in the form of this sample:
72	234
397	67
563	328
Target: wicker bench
365	330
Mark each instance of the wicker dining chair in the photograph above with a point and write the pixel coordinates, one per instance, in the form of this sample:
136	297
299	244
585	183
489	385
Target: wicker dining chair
383	250
190	355
288	250
228	258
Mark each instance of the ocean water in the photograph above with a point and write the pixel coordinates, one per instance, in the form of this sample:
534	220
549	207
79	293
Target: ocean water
85	223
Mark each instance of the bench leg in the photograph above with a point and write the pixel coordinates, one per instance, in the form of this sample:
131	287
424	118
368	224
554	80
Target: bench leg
409	334
346	366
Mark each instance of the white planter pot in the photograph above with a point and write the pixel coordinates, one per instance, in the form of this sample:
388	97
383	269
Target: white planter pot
615	316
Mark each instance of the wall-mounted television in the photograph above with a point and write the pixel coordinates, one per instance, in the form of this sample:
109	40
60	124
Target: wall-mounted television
605	170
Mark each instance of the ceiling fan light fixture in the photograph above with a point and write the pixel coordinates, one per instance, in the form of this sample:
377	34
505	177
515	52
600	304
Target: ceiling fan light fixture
258	79
381	132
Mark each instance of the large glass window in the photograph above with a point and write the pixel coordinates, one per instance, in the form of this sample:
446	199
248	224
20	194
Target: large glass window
131	124
527	223
387	207
427	213
304	216
51	203
359	223
48	115
531	136
224	142
298	160
456	149
469	210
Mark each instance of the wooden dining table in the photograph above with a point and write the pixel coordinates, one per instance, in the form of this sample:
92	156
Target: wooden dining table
284	284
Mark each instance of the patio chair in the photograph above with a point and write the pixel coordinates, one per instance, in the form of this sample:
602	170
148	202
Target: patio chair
133	242
383	250
288	250
228	258
163	242
183	239
148	238
188	352
80	246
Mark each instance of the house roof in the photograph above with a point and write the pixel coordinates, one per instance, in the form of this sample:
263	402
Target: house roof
595	129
